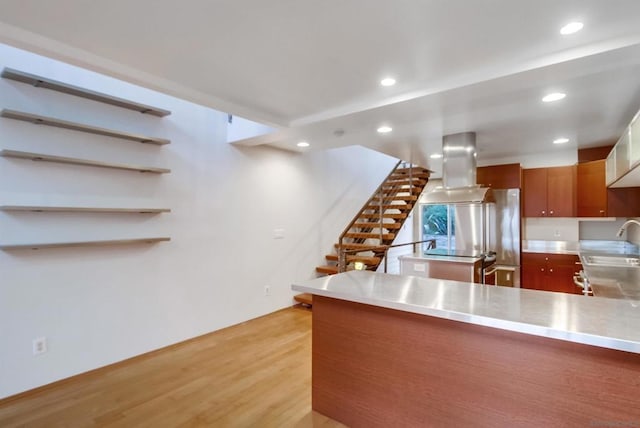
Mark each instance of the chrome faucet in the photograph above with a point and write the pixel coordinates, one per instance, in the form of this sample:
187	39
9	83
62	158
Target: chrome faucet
624	226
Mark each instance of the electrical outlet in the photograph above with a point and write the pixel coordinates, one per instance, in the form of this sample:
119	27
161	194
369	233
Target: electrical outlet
556	233
278	233
39	345
267	290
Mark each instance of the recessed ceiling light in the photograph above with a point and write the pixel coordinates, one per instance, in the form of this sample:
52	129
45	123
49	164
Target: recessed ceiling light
302	144
560	140
436	156
388	81
572	27
385	129
555	96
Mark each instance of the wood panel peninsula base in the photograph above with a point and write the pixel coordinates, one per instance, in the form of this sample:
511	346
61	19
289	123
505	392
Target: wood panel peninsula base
384	366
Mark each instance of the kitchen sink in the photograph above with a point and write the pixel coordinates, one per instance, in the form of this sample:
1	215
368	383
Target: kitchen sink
613	261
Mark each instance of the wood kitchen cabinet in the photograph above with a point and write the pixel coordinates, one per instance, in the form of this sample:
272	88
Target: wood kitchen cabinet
549	192
507	176
591	191
595	200
550	272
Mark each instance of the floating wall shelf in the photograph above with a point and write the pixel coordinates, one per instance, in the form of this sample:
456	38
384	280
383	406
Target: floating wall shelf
75	161
35	208
43	82
50	121
37	246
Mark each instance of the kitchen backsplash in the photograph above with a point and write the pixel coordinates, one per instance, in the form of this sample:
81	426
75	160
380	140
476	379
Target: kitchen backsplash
633	233
550	229
574	229
601	229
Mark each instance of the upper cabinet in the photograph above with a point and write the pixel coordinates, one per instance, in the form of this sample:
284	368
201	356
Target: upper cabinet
594	199
623	163
549	192
507	176
591	191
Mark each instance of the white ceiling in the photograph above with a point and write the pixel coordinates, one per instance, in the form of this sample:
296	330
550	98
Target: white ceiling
311	67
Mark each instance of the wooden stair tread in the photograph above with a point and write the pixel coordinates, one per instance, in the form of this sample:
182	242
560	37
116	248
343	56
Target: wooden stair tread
304	298
363	235
385	207
406	181
329	270
355	258
412	169
363	247
388	226
399	216
395	190
396	197
405	175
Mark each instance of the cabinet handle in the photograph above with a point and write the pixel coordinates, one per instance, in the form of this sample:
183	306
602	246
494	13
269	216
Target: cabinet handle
541	269
543	212
602	212
551	212
550	270
546	259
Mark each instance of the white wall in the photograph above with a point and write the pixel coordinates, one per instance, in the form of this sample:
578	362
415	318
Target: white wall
241	128
97	306
558	156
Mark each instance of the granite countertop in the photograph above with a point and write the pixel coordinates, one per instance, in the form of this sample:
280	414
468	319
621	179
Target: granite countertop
607	323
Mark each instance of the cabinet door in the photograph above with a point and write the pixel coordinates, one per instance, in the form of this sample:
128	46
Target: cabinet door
534	271
550	272
561	279
535	192
591	192
623	202
561	191
507	176
561	268
534	276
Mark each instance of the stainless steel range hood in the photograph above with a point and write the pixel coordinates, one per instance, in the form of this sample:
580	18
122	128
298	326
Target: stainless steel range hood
459	173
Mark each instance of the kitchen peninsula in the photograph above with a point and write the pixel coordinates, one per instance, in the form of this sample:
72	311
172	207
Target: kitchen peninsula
405	351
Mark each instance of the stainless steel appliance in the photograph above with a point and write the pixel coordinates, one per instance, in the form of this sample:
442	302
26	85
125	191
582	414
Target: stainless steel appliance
503	230
486	221
491	231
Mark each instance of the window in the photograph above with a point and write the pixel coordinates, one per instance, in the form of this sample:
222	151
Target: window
437	222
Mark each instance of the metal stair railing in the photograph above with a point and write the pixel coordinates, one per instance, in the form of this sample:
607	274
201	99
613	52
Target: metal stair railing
383	248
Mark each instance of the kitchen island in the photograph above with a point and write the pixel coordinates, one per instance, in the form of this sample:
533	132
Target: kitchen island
404	351
468	269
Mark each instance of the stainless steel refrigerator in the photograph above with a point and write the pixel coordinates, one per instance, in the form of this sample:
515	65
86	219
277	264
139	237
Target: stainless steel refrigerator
486	228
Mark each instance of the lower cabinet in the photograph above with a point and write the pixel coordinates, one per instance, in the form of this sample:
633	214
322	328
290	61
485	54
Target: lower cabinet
550	272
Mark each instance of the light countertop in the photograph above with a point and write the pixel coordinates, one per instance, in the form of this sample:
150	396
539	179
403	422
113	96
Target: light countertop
607	323
620	282
439	258
575	247
611	282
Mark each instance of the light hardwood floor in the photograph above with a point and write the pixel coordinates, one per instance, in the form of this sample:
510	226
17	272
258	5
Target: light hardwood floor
255	374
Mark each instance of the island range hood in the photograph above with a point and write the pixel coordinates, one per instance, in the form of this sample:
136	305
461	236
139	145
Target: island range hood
459	173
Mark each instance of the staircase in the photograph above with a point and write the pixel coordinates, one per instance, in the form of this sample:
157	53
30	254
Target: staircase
363	243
